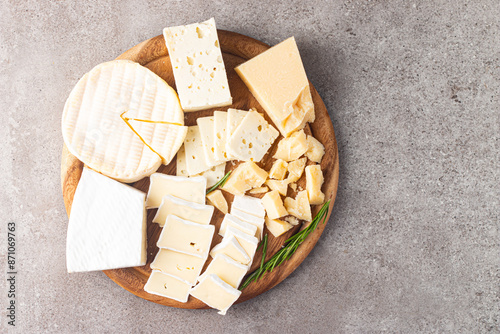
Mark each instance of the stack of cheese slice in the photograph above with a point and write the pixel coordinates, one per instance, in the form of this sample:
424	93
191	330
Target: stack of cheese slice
233	257
185	240
123	121
107	225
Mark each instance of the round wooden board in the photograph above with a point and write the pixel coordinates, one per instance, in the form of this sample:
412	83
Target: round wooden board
236	49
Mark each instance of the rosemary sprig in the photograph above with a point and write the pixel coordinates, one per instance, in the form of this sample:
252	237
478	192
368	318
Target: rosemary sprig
285	253
219	184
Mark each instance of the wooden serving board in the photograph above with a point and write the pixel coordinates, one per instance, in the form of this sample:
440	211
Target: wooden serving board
236	49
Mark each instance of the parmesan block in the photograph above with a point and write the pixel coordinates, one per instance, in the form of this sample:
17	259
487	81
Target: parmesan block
279	185
251	219
314	181
278	170
230	271
166	285
216	293
277	227
295	169
274	205
183	266
216	198
170	205
207	132
231	247
107	225
278	81
293	147
220	136
230	220
245	177
186	237
252	138
315	150
299	207
199	72
249	204
189	189
194	152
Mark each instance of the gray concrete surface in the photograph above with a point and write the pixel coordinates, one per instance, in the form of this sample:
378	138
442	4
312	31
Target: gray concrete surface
412	88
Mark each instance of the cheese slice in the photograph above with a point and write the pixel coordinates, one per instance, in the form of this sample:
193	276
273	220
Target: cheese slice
220	135
230	271
216	198
194	212
251	219
166	285
94	132
213	175
278	81
207	133
216	293
230	247
186	237
199	72
230	220
189	189
234	118
107	225
195	159
251	140
248	242
249	204
183	266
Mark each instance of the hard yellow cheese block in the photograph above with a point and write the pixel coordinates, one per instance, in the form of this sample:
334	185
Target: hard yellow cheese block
277	227
293	147
299	207
296	168
274	205
315	150
216	198
278	81
183	266
216	293
314	181
278	170
165	285
245	177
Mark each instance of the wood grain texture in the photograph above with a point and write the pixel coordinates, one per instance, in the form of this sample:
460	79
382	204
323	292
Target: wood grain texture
236	49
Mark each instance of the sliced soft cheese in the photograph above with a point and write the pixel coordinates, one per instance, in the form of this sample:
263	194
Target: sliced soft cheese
107	225
95	133
278	81
195	159
293	147
216	198
249	204
195	212
274	205
251	219
230	220
186	237
245	177
191	189
231	247
183	266
314	181
166	285
207	133
216	293
248	242
299	207
220	136
199	72
277	226
230	271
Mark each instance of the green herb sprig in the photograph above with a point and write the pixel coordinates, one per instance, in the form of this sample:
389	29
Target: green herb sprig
219	184
285	253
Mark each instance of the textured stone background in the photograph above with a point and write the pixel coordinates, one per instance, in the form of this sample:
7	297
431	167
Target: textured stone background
412	89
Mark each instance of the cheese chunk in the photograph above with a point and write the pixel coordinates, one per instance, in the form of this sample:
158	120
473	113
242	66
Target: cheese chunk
199	72
299	207
251	219
194	212
259	190
216	198
189	189
245	177
277	227
230	247
230	220
207	132
252	138
278	81
194	152
293	147
278	170
248	242
220	135
314	181
216	293
249	204
165	285
274	205
292	220
107	225
279	185
213	175
230	271
295	169
183	266
315	150
94	131
186	237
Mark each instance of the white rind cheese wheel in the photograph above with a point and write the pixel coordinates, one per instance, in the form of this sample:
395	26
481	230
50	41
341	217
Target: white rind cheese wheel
95	132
